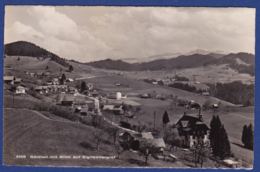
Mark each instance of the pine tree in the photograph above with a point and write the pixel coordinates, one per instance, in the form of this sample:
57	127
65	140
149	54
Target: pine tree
214	135
165	119
70	68
63	79
224	144
250	137
244	137
83	86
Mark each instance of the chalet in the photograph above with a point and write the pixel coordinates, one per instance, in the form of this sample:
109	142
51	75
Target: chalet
108	107
205	93
147	135
69	80
55	81
9	79
68	100
134	140
192	129
84	110
72	90
20	90
17	80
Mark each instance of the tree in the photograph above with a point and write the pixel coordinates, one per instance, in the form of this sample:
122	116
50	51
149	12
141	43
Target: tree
63	79
215	125
200	151
172	137
113	132
244	137
224	144
70	68
219	139
248	136
165	119
145	150
83	86
250	142
118	149
98	134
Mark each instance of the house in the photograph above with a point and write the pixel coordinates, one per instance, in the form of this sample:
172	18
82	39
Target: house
192	129
134	140
147	135
55	81
20	90
84	110
158	143
90	86
205	93
9	79
108	107
17	80
69	80
68	100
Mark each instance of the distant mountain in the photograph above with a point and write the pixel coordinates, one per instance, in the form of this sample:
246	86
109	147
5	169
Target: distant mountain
23	48
113	64
242	62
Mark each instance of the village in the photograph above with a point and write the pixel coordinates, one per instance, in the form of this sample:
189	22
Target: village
181	140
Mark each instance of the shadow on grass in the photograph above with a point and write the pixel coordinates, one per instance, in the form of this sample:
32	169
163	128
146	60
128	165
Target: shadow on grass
240	145
86	145
137	162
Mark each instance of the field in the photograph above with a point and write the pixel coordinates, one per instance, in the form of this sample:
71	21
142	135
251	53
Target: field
207	74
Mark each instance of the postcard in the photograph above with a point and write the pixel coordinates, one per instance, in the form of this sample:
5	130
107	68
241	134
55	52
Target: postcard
129	86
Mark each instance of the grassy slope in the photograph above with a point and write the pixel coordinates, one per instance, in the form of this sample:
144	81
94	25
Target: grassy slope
28	133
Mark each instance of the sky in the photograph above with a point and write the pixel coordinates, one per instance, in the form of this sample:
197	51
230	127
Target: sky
88	34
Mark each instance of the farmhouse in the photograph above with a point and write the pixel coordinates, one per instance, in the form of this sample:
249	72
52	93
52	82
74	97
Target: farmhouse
8	79
17	80
20	90
192	129
68	100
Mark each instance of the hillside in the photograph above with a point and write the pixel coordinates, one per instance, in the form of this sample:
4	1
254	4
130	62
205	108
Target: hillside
23	48
113	64
241	62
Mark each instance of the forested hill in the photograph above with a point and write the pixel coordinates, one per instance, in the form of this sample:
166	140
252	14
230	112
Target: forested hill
23	48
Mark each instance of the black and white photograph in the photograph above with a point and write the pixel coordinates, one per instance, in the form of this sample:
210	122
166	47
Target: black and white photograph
129	86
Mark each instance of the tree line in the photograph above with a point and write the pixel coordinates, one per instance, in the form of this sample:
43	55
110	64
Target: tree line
248	136
235	92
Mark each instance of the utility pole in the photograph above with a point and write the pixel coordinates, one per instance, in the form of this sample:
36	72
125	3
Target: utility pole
154	117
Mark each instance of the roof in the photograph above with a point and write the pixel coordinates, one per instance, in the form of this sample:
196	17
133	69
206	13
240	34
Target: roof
18	79
8	78
20	87
158	142
189	123
68	98
147	135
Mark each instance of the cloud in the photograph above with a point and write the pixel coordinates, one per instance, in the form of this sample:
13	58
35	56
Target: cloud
94	33
55	24
20	31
